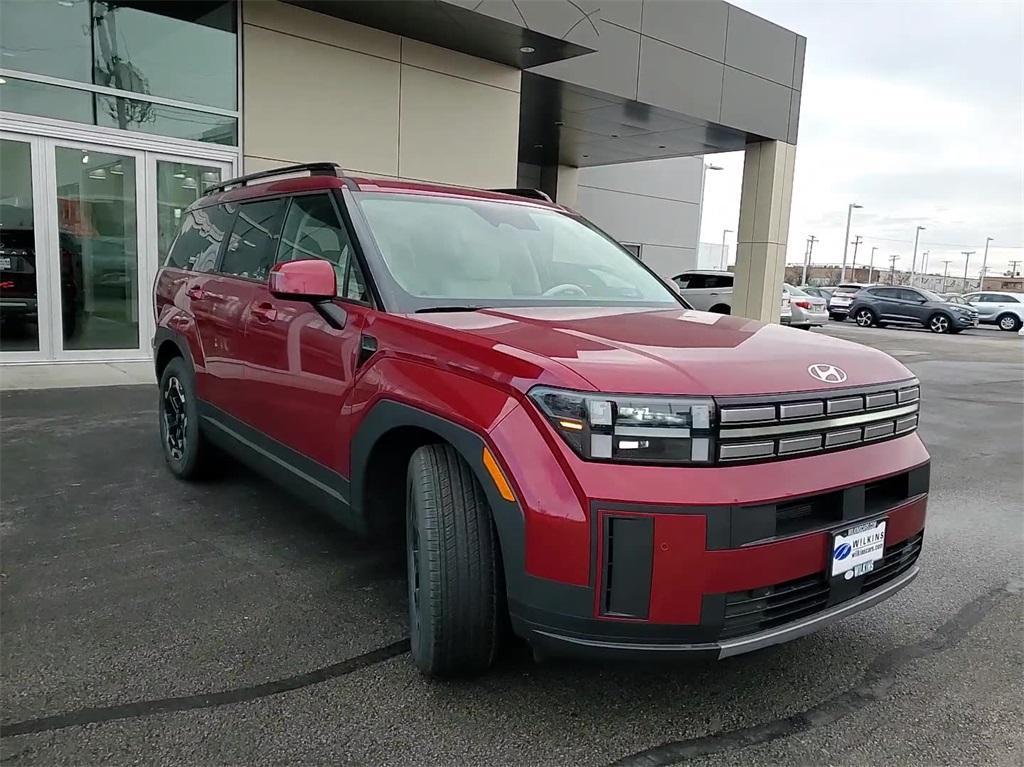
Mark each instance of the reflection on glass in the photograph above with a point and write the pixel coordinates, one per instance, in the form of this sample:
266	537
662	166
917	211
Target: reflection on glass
26	97
178	185
183	51
99	254
19	319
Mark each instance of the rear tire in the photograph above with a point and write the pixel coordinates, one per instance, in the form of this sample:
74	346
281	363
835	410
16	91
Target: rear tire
185	448
865	318
1010	322
451	554
939	323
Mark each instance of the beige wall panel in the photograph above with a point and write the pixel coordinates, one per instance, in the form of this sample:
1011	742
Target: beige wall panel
456	131
447	62
347	113
321	27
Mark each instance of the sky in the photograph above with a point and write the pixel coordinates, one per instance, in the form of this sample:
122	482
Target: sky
914	110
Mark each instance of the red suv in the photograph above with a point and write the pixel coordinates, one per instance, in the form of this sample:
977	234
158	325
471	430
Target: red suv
559	437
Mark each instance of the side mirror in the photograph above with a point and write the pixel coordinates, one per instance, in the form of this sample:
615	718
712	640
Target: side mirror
311	280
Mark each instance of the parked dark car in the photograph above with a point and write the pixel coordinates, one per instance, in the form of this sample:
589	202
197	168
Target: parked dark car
911	306
817	292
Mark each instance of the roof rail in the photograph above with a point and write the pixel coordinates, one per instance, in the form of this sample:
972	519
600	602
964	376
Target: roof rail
533	194
313	168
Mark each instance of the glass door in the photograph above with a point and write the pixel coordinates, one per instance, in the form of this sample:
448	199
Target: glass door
83	229
23	309
96	248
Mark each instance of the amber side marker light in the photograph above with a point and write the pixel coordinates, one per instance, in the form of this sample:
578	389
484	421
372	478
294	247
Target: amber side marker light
498	476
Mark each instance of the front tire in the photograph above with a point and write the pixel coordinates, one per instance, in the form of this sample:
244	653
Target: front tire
451	554
1010	322
865	318
184	446
939	323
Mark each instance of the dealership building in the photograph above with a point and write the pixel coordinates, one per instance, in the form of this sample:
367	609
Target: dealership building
115	115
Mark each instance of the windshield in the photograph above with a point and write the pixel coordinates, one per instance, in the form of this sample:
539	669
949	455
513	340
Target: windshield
455	253
792	290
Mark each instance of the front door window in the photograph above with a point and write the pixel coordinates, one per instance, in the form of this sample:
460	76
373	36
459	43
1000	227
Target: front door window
19	286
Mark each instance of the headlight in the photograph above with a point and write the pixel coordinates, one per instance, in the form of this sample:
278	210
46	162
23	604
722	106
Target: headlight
630	428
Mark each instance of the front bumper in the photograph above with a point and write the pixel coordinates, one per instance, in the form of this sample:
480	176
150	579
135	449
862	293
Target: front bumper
577	646
803	318
963	321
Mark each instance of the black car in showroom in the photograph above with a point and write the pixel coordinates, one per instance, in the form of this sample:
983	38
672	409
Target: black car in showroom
911	306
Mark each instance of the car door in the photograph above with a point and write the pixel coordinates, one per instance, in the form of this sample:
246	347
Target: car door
300	365
913	305
213	300
693	287
885	302
221	300
984	304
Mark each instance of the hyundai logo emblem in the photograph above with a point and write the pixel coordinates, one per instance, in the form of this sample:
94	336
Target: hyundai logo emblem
827	373
843	550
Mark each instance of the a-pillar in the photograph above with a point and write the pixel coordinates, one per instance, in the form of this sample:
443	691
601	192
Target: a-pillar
763	230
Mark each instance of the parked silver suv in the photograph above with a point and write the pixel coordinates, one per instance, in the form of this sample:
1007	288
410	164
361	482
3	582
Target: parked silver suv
999	308
706	290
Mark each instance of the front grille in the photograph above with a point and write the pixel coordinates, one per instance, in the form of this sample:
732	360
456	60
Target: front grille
766	429
748	612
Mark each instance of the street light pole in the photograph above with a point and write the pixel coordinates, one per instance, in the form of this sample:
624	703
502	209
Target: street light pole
945	273
871	263
703	180
856	244
967	260
892	268
913	261
984	264
807	256
846	239
924	263
725	254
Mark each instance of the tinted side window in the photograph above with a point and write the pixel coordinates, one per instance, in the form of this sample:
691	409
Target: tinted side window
882	292
311	230
719	281
199	240
253	242
695	282
999	298
910	295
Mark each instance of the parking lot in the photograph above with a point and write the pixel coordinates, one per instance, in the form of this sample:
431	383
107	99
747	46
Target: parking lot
149	621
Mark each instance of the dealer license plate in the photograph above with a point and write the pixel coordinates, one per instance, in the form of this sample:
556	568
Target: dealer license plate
855	550
5	262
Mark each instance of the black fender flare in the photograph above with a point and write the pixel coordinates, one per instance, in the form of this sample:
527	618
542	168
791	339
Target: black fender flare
164	335
387	415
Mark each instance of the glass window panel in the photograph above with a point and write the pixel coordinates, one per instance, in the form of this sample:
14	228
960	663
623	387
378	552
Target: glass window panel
178	185
187	51
25	97
188	59
99	255
48	38
42	100
19	290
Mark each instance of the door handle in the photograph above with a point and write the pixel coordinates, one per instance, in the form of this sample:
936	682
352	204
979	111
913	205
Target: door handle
196	293
264	312
712	294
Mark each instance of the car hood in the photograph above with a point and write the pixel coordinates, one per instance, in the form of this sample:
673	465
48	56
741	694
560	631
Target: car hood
676	351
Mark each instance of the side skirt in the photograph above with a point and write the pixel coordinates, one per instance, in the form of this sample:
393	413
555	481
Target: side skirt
314	483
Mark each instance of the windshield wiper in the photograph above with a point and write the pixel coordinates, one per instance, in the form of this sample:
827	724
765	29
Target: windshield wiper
462	308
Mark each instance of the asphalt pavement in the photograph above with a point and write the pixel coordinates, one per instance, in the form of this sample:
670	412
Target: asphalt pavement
149	621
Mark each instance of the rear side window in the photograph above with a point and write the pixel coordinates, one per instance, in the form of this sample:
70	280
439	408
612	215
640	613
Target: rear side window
312	230
720	281
253	242
910	295
691	281
198	243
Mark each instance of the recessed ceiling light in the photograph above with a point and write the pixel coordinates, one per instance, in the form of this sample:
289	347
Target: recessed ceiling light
586	155
527	49
85	159
3	81
559	123
65	3
615	135
661	146
538	146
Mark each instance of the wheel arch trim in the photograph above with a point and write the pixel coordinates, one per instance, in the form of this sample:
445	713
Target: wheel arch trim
388	415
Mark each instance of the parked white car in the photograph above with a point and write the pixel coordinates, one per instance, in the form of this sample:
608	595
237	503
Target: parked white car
707	290
999	308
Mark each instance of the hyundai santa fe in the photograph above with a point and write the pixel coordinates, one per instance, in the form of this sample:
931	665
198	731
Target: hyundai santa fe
560	443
